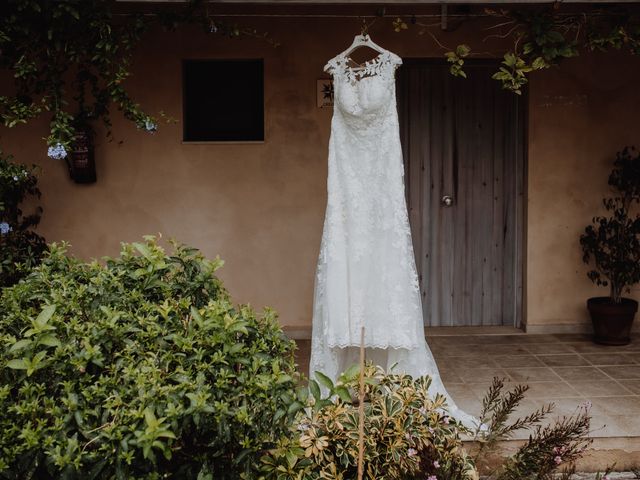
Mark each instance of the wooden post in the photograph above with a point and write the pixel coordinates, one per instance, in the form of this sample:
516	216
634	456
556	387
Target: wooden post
361	411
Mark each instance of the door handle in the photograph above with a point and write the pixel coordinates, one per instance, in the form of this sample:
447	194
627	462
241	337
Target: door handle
447	200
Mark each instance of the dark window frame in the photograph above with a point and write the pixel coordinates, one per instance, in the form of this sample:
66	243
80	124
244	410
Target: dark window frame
255	133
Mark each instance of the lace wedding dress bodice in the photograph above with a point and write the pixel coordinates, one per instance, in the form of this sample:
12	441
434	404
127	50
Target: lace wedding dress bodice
366	273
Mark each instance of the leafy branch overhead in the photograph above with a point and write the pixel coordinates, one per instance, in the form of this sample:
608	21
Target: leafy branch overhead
70	59
538	38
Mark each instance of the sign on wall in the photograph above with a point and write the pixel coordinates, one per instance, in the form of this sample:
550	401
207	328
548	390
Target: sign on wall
324	92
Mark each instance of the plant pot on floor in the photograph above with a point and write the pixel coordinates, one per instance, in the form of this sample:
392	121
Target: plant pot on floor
612	321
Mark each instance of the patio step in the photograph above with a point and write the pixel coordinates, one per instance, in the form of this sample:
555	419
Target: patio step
622	454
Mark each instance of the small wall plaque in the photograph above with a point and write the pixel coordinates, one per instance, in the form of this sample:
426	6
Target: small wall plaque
324	93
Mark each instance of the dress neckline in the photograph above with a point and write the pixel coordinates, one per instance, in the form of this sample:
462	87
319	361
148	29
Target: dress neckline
363	66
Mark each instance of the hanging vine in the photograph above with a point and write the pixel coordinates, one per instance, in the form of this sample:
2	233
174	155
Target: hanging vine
70	59
540	38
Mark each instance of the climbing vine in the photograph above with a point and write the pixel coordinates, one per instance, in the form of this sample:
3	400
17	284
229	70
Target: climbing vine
70	60
540	38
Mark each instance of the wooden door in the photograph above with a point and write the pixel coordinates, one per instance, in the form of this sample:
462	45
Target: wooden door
463	144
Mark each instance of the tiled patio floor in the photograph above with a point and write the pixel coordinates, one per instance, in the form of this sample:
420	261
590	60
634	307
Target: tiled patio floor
566	370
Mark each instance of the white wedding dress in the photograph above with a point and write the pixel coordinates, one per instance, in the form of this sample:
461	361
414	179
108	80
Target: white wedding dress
366	273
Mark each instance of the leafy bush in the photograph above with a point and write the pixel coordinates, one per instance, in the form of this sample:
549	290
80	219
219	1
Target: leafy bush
20	247
550	448
406	433
140	367
613	243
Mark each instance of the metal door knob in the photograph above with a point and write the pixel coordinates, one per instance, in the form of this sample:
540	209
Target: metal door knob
447	200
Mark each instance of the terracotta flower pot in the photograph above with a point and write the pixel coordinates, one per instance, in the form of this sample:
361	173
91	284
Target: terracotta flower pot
612	321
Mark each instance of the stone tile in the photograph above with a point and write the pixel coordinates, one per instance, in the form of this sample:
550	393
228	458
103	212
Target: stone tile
628	406
532	374
608	426
632	385
605	388
589	347
574	337
471	361
455	350
563	360
580	373
450	339
631	425
499	339
564	407
460	391
480	389
623	372
550	390
549	348
602	359
503	349
529	339
480	374
517	361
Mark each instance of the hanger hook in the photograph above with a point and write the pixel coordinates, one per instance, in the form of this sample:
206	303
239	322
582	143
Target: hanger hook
364	29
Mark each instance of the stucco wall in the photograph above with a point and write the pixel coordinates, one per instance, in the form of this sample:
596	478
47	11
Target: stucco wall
261	206
580	115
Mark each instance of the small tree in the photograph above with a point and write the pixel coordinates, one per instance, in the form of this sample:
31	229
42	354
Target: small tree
613	243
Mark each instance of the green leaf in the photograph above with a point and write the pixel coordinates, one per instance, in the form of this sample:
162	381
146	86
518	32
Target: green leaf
20	344
17	364
315	390
45	315
344	394
324	381
49	340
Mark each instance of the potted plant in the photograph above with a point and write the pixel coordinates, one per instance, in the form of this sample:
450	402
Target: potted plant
612	243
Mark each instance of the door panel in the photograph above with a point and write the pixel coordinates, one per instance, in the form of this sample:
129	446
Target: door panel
464	138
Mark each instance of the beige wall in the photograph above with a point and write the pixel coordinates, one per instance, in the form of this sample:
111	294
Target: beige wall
580	115
261	206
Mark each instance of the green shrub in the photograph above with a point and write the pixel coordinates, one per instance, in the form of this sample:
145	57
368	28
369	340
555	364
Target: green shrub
407	434
140	367
20	247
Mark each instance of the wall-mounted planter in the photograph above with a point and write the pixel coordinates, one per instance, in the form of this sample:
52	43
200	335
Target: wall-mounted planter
81	159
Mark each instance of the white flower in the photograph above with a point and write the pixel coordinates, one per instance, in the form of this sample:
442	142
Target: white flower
57	152
5	228
150	126
15	178
436	464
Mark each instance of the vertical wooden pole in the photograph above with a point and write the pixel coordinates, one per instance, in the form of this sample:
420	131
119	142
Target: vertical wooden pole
361	411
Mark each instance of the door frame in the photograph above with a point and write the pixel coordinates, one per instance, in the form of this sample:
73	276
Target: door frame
520	315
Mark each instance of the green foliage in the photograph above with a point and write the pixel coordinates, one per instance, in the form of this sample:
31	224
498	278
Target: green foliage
405	432
540	37
549	448
140	367
513	72
456	59
20	247
42	40
613	242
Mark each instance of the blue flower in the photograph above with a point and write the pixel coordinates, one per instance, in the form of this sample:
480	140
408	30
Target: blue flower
150	126
57	152
5	228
